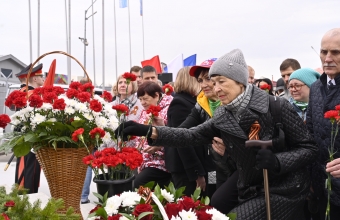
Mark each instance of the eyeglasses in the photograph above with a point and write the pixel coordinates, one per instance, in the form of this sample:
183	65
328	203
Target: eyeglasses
297	87
206	79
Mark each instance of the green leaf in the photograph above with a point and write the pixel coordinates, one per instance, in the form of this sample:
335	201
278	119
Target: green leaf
22	149
179	193
172	188
98	195
197	194
206	200
54	144
101	212
31	137
77	123
232	216
150	184
144	214
127	216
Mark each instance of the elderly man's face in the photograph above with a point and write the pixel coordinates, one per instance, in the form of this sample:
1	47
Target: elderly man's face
330	55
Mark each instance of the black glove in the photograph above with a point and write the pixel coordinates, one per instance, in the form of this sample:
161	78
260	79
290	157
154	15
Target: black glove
265	159
133	129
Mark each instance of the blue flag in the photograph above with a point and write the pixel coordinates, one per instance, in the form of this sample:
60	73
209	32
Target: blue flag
190	61
122	3
141	8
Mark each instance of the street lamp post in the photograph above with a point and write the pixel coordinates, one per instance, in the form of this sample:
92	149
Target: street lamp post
84	40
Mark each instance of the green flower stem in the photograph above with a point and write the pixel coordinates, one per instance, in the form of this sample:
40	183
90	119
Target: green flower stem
81	138
103	172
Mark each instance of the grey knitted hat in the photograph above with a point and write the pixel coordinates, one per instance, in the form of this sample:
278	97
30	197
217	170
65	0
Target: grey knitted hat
231	65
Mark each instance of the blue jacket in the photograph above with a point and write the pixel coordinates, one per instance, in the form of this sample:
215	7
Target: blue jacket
321	100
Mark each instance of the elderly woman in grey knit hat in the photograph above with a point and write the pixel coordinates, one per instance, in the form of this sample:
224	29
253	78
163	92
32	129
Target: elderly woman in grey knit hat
244	107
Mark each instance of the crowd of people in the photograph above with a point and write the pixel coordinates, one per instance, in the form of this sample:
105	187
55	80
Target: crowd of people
199	138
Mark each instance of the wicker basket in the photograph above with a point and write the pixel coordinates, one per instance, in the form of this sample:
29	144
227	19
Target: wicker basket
64	170
65	173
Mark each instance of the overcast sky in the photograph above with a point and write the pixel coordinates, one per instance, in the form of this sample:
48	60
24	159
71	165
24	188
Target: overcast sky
266	31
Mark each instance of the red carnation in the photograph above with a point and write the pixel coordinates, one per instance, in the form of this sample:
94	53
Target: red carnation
114	217
129	77
107	96
77	134
140	208
38	91
49	97
4	120
337	107
59	104
154	110
5	216
87	87
84	96
121	109
203	215
188	203
95	105
58	90
172	209
35	101
97	133
88	159
10	203
16	97
167	89
75	85
71	93
265	87
332	114
48	89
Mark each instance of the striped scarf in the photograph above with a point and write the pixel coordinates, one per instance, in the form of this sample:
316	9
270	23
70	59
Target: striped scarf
239	104
301	105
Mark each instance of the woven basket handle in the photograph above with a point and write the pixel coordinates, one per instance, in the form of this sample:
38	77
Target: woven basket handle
54	52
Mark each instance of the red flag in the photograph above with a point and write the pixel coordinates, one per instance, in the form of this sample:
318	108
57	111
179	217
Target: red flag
49	81
154	62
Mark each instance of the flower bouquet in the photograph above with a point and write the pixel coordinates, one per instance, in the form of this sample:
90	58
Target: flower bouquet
51	117
160	204
266	87
334	117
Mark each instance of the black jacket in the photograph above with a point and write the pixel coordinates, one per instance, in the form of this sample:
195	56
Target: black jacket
288	187
321	100
191	159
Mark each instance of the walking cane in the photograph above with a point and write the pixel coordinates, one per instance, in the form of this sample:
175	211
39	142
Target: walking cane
9	162
263	145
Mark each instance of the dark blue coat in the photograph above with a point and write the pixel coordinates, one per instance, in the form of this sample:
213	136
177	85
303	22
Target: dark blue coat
321	100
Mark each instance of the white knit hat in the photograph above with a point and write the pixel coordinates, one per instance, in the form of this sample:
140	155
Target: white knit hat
231	65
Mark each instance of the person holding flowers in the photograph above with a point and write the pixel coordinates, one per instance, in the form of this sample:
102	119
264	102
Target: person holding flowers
324	97
155	107
244	105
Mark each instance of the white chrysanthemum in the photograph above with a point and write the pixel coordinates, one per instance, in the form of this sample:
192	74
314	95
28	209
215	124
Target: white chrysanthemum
130	198
52	120
112	204
23	129
15	121
187	215
81	107
97	114
107	138
168	196
109	111
100	99
38	118
123	218
113	123
46	106
101	122
76	118
88	116
69	110
216	215
175	218
70	102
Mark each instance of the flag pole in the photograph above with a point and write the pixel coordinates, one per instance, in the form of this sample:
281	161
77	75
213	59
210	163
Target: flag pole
38	52
141	13
30	28
103	58
114	14
69	41
66	27
94	53
129	32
